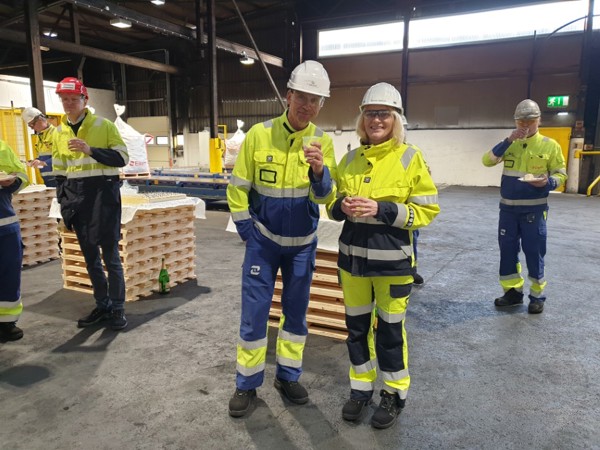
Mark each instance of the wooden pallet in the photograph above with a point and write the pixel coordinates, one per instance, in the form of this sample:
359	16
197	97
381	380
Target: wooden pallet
38	231
135	175
150	236
326	312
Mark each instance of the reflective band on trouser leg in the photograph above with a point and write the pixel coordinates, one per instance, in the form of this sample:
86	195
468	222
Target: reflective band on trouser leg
10	311
392	294
297	267
358	300
251	357
513	280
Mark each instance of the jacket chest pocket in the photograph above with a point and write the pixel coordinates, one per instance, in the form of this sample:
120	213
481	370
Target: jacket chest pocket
269	167
396	194
537	164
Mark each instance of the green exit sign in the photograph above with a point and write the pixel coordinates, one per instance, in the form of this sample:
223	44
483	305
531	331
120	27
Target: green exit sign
558	101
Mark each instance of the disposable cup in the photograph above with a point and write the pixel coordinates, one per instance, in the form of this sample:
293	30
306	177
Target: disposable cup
308	140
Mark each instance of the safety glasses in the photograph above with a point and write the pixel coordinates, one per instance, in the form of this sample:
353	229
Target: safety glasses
383	114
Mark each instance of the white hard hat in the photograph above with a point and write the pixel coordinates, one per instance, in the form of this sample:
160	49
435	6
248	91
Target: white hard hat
30	113
527	109
382	94
310	77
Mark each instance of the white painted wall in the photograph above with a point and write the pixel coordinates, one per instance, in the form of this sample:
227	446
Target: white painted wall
454	156
15	92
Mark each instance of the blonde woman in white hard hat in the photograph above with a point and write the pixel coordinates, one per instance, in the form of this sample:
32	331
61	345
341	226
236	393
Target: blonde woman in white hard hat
276	185
385	192
42	151
533	166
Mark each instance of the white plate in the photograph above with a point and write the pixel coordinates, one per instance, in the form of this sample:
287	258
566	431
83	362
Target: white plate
533	179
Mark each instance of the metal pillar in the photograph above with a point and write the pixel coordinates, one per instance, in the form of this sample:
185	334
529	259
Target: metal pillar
34	55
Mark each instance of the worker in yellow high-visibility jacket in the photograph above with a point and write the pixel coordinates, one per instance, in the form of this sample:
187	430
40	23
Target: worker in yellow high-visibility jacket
384	193
12	179
524	203
276	184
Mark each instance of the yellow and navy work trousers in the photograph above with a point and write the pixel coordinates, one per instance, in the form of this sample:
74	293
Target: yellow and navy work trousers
525	230
262	260
11	259
387	346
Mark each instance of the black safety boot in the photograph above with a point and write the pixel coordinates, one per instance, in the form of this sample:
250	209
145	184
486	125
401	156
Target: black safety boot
9	331
118	321
388	411
418	279
97	315
293	390
241	401
535	307
512	297
353	409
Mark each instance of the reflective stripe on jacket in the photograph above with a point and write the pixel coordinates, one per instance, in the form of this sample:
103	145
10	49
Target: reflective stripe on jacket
9	163
537	155
270	187
397	177
96	132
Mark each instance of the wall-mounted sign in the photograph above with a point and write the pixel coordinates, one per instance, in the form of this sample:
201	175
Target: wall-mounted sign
558	101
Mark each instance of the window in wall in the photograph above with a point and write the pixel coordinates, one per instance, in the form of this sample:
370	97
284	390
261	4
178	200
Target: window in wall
162	140
369	39
458	29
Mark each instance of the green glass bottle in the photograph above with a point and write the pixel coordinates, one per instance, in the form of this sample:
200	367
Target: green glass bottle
163	279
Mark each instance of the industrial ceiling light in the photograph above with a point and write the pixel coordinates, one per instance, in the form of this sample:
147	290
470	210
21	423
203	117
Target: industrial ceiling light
246	60
120	22
158	2
49	33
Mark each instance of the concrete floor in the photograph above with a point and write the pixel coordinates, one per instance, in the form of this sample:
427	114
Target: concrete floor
481	378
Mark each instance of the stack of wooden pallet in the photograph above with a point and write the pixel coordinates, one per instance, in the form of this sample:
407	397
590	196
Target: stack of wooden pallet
325	314
151	235
37	229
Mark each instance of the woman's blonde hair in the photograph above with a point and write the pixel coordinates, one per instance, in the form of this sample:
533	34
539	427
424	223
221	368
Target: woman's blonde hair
397	129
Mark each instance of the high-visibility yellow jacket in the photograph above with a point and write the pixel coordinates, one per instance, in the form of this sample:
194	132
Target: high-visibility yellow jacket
88	185
272	187
537	155
100	134
396	176
9	163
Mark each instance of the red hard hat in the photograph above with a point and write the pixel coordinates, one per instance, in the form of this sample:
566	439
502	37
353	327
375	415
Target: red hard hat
71	85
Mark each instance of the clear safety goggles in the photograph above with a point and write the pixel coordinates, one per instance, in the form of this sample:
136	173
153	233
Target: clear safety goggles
308	99
383	114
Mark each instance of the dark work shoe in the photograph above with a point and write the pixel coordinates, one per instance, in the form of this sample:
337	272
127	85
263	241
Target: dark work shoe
512	297
535	307
9	331
118	321
418	279
97	315
353	409
241	402
293	390
388	411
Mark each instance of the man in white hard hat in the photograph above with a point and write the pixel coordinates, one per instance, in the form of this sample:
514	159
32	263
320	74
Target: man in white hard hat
38	122
534	165
276	184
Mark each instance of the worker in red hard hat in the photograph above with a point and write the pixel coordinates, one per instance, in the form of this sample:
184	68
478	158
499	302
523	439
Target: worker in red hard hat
87	153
